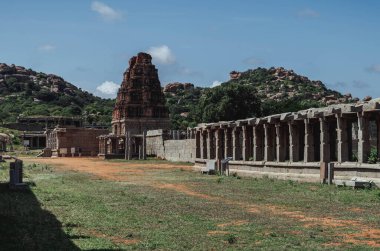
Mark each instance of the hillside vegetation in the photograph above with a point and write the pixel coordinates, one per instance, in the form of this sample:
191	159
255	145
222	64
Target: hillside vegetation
257	92
24	92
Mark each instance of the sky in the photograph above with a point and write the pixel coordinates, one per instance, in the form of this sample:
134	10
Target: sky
89	43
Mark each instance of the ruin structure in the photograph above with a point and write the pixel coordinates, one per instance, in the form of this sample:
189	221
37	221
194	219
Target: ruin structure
5	140
72	141
140	106
296	145
34	127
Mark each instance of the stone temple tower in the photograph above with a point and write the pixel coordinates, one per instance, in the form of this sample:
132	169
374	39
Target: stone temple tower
140	106
140	103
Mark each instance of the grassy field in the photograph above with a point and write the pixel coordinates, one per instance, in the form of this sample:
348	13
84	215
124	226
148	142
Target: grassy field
117	205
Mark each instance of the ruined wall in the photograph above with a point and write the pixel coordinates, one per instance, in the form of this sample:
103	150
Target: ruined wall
158	144
81	140
180	150
155	143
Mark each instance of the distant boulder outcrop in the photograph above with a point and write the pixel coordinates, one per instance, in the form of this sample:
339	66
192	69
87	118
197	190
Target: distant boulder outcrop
176	86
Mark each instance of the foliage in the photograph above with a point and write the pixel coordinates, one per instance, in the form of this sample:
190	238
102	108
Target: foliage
228	102
35	99
182	107
287	105
354	157
372	157
235	99
14	134
244	97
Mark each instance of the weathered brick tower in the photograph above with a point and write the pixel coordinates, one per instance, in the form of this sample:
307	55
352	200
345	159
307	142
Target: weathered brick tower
140	106
140	103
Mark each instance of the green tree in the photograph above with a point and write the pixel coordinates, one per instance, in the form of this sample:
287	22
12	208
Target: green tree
230	101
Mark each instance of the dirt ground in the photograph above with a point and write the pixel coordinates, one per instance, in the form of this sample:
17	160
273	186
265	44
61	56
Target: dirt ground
142	173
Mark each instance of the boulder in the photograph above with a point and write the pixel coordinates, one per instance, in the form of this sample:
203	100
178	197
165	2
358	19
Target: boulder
176	86
235	75
367	98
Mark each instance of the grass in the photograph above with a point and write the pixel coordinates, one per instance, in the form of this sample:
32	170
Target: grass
68	210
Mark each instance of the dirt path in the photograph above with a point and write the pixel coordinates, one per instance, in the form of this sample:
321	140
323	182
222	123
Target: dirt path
116	171
141	172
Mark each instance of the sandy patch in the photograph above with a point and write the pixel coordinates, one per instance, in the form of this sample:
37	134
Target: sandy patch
233	223
113	239
184	189
217	232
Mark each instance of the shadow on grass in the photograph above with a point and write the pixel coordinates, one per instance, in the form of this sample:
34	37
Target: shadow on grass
24	225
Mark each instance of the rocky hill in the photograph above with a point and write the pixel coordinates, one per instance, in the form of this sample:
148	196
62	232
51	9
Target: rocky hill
279	90
24	92
276	84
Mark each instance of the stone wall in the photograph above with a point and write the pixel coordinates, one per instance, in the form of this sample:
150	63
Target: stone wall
158	144
155	143
180	150
72	141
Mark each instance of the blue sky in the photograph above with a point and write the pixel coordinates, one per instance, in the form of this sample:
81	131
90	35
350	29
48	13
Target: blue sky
89	43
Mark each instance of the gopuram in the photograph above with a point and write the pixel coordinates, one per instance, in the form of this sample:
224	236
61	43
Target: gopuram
140	106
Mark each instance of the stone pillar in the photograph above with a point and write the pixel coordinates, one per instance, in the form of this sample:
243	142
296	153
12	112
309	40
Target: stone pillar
204	144
363	139
191	134
309	144
325	141
293	142
245	150
201	145
104	145
268	148
342	139
99	145
144	145
235	144
218	144
227	142
378	135
198	145
209	144
280	147
257	144
127	147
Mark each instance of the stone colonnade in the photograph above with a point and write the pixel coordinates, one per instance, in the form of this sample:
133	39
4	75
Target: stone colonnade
338	133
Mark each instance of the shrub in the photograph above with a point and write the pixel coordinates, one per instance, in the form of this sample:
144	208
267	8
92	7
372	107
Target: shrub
231	238
372	158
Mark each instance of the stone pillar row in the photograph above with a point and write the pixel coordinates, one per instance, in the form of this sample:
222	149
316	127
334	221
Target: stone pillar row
269	142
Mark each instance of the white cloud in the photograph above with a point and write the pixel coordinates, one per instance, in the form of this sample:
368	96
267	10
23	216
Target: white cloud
108	87
374	68
105	11
308	13
47	48
216	83
162	54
